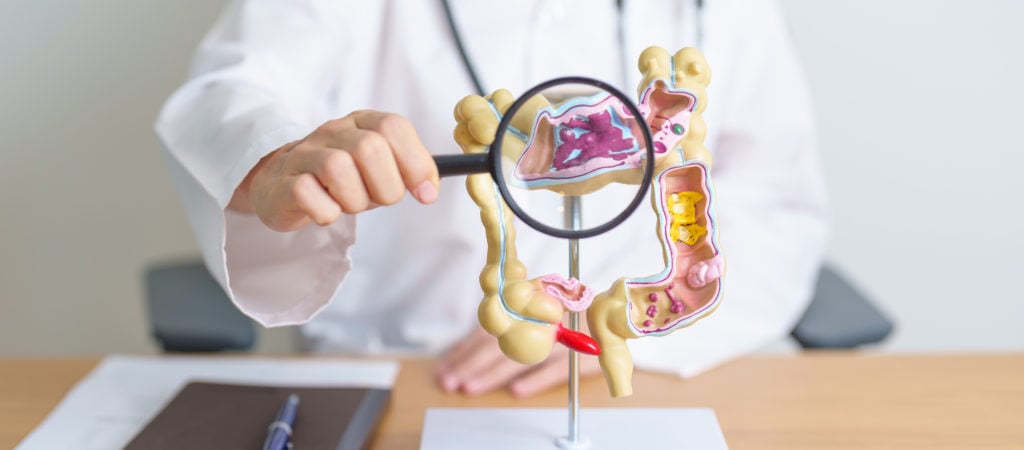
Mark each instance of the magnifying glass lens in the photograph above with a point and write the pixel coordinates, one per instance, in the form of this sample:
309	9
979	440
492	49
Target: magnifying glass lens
574	157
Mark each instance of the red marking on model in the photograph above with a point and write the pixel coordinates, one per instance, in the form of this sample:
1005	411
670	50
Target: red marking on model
577	341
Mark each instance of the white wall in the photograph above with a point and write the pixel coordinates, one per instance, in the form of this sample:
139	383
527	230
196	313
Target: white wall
919	126
85	198
923	142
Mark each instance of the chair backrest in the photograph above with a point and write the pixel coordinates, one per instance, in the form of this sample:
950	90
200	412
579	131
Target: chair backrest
840	316
189	312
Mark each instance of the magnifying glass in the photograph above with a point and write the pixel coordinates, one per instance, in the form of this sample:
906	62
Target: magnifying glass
587	141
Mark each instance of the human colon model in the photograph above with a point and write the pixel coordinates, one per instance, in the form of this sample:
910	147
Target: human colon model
525	314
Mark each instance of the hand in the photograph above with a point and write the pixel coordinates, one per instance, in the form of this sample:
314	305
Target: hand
350	165
476	366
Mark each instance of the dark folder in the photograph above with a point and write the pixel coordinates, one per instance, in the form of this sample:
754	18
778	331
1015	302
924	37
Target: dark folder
228	416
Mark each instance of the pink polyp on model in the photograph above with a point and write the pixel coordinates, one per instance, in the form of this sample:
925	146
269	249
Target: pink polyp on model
574	295
705	272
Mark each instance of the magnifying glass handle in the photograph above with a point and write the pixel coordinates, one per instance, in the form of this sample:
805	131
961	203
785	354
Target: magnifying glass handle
467	164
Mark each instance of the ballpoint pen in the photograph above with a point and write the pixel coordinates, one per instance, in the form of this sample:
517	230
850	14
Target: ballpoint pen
279	433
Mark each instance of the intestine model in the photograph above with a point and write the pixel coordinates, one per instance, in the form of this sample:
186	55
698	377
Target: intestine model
573	156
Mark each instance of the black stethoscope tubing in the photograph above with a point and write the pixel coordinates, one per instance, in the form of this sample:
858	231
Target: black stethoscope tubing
474	76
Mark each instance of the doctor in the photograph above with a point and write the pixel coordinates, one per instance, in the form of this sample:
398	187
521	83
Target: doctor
304	123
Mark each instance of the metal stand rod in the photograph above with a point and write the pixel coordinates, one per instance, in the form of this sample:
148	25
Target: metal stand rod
573	219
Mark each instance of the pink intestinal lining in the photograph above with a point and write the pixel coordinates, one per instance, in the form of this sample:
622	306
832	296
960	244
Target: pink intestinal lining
666	110
574	295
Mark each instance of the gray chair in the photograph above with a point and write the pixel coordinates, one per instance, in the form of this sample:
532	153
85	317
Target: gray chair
189	312
840	316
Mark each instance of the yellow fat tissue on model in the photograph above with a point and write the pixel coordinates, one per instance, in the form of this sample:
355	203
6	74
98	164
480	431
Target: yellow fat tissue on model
683	207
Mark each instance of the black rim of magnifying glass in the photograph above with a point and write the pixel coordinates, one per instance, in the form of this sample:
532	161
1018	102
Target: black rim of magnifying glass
506	122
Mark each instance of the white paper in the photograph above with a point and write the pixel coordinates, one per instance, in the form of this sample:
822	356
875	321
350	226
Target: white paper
601	429
113	402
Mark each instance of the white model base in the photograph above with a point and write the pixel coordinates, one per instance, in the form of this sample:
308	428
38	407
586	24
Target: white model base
545	428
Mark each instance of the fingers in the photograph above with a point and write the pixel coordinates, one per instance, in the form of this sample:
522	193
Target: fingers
476	366
551	373
347	165
387	151
314	201
293	202
411	158
371	157
338	173
463	349
414	162
493	378
276	206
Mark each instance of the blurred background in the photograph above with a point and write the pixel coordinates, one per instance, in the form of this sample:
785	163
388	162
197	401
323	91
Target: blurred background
920	129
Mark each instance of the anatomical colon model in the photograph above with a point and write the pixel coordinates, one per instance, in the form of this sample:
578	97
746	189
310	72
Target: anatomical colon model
525	314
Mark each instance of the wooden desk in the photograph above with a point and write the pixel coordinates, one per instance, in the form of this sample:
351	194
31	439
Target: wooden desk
810	401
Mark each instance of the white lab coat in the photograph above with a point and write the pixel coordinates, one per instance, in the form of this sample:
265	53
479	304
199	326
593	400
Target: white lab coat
404	278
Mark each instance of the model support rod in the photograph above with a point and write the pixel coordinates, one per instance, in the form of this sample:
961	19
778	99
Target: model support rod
573	218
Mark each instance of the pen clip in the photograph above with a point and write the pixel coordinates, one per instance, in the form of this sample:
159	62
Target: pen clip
282	425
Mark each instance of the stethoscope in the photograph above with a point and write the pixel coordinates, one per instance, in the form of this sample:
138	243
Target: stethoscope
474	75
